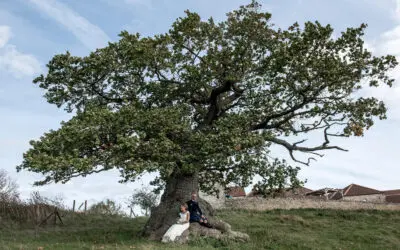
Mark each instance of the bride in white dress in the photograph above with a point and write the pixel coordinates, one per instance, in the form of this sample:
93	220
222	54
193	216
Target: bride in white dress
181	225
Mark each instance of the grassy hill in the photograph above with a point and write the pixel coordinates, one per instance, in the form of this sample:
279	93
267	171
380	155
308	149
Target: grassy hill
276	229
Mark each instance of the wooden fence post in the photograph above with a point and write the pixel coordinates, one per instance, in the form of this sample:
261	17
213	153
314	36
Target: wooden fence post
85	206
81	205
73	206
55	216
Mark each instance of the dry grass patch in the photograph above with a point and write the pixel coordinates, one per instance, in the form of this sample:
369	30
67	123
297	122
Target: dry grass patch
261	204
293	218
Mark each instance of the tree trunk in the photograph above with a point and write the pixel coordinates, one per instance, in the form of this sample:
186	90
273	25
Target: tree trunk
177	191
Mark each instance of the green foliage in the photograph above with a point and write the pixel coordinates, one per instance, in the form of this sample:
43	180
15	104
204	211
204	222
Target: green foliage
145	199
208	98
107	207
276	179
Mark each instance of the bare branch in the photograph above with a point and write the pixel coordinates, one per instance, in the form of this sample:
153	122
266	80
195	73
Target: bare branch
302	162
299	142
315	153
294	147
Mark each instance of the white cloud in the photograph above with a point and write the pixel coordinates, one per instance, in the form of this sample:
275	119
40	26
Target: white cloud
18	63
397	10
87	33
5	34
12	60
369	47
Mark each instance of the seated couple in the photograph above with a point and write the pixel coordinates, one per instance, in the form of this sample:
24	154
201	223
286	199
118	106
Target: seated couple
190	212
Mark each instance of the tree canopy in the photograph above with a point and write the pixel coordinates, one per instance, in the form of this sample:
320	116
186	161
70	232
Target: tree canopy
143	198
209	98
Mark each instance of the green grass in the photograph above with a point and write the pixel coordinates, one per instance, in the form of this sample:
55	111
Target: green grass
277	229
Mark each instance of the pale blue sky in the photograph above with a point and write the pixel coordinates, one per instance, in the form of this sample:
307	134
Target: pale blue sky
32	31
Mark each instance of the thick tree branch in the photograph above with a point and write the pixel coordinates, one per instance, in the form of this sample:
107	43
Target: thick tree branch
305	100
83	174
215	107
294	147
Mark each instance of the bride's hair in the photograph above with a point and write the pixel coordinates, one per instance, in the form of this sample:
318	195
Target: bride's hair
185	206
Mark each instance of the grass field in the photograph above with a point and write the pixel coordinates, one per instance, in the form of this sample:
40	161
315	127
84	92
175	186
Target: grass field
276	229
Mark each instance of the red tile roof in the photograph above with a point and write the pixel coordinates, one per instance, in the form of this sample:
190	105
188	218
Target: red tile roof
356	190
391	192
393	198
236	191
336	195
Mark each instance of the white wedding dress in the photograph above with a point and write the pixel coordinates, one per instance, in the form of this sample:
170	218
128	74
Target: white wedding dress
177	229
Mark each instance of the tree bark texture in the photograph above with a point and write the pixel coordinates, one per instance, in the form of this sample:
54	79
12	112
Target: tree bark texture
177	191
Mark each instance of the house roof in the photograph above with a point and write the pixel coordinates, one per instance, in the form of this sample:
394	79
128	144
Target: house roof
292	192
302	190
336	195
391	192
296	191
393	198
356	190
322	191
236	191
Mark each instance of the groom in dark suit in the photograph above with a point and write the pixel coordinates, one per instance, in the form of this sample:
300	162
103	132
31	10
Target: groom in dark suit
196	215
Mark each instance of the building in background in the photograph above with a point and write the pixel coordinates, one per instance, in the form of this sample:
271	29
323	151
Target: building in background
352	192
235	192
299	192
355	192
392	196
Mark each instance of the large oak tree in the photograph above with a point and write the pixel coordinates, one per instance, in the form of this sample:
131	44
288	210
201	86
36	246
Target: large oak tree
203	103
